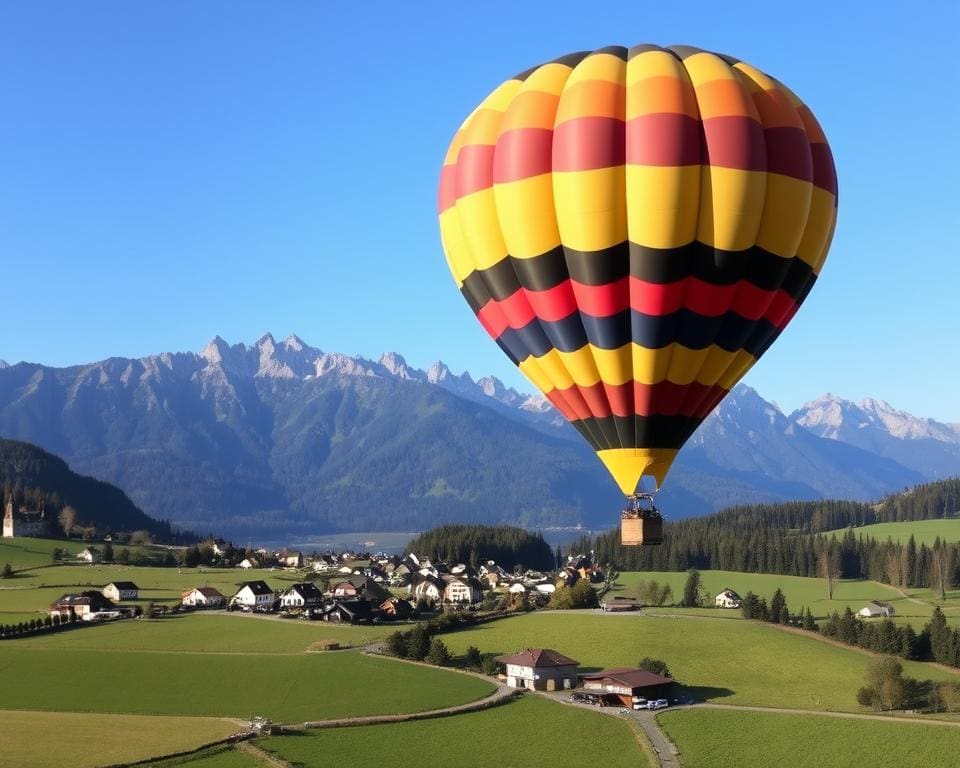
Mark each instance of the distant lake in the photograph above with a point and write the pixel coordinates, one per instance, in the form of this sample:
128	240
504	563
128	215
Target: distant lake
394	542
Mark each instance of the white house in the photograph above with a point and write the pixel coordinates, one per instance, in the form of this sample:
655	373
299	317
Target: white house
254	595
427	588
324	563
876	608
121	590
249	562
546	588
89	555
462	590
301	596
202	597
727	599
291	559
517	588
542	669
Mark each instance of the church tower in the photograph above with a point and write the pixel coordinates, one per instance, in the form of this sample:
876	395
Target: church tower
8	519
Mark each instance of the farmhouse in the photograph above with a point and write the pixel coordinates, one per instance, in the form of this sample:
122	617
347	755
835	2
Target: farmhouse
541	669
202	597
727	599
323	563
89	555
300	596
625	686
249	562
255	595
24	522
876	608
81	605
121	590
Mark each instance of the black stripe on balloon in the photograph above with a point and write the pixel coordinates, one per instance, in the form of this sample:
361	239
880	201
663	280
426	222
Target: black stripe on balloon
669	432
731	332
619	51
763	269
764	338
636	50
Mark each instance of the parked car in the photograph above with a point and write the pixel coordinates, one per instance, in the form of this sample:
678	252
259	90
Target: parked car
639	702
657	704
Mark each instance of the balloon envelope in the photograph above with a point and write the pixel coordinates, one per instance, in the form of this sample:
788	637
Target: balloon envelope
634	228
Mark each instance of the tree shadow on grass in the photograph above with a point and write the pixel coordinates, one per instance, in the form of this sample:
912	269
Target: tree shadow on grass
703	692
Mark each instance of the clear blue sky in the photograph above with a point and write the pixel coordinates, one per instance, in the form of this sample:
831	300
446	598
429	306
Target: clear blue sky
170	171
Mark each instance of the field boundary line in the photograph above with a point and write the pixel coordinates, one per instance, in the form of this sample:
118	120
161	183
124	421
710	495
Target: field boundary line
826	713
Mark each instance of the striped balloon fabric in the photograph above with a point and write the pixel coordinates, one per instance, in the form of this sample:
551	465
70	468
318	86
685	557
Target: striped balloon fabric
635	227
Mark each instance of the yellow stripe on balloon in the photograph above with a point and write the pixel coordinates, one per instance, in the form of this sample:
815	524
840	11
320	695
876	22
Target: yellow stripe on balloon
731	207
676	363
628	465
527	217
454	248
663	204
818	232
591	207
785	212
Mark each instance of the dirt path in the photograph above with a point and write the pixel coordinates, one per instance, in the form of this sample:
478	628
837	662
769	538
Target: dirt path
499	696
262	756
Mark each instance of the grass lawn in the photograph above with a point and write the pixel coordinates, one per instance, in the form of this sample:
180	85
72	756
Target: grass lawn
290	688
923	531
800	592
43	739
709	738
219	757
527	733
208	633
731	662
25	552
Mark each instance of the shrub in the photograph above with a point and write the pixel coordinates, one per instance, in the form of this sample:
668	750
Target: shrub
438	654
866	696
7	571
473	657
489	665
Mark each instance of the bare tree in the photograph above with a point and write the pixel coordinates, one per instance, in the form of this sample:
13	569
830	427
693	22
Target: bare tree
828	564
67	519
942	568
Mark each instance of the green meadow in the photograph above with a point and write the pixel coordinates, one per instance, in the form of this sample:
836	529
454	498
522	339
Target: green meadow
711	738
209	633
290	688
800	591
923	531
89	740
526	733
729	662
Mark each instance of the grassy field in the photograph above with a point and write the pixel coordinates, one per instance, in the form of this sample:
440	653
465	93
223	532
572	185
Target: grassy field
230	757
923	531
731	662
728	739
25	552
44	739
208	633
288	688
527	733
799	591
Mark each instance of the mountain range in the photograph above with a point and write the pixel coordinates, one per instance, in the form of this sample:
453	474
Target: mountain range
282	438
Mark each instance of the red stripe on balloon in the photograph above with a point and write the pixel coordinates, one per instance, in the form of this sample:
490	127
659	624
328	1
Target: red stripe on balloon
664	139
633	398
654	299
788	152
734	142
447	194
522	153
474	169
586	143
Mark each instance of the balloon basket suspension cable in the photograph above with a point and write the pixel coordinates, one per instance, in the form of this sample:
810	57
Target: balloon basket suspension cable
640	521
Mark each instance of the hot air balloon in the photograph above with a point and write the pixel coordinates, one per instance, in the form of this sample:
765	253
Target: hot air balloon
635	228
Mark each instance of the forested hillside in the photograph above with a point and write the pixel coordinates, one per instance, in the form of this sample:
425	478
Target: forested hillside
38	479
475	544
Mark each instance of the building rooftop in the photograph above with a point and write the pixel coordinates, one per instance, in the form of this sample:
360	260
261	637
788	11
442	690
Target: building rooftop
629	678
539	657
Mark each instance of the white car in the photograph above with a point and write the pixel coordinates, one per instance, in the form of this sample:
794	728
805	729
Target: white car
658	704
639	702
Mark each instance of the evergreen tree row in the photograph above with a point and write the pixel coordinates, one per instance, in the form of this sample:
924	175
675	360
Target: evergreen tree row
509	547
